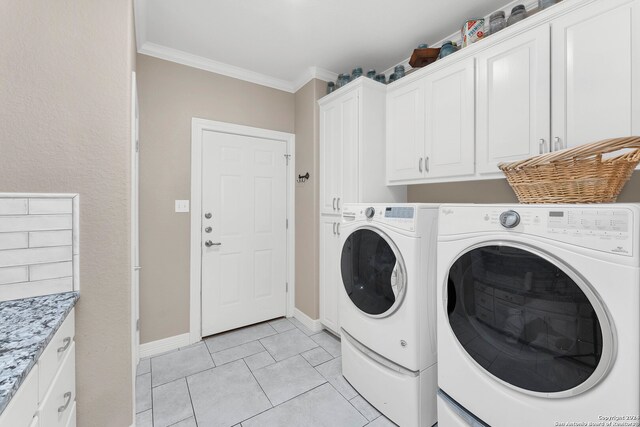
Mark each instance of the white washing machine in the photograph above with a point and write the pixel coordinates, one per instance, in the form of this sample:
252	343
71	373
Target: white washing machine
538	315
387	308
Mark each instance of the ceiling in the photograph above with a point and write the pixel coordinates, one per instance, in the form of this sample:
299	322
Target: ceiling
283	43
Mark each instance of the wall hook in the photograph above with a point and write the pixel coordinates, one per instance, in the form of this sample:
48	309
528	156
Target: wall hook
303	178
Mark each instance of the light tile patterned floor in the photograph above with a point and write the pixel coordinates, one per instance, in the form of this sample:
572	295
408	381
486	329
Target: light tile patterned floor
274	374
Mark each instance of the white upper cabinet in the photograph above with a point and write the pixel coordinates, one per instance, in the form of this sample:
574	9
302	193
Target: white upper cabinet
430	126
406	132
450	133
513	100
566	76
352	157
596	73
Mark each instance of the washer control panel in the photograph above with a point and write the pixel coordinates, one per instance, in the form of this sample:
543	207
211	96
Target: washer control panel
399	212
601	227
403	217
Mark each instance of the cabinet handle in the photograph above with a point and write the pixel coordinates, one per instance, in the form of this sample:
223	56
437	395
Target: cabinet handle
338	203
557	144
67	397
426	164
334	203
541	146
420	165
338	229
334	228
67	343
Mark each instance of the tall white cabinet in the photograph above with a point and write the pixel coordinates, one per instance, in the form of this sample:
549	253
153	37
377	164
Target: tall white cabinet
352	170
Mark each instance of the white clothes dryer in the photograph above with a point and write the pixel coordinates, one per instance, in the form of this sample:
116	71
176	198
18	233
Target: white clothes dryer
387	308
538	315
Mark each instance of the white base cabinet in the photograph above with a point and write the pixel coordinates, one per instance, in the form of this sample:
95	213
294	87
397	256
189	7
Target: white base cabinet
330	276
47	396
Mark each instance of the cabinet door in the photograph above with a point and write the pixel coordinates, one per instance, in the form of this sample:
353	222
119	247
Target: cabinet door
405	132
450	124
349	142
330	157
596	73
330	281
513	100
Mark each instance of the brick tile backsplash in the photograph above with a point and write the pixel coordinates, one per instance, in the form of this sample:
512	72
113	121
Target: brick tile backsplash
38	244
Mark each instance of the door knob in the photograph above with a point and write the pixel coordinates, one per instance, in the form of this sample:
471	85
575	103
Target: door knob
208	215
208	230
209	243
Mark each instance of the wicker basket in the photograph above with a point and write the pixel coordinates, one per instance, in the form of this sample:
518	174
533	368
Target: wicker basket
575	175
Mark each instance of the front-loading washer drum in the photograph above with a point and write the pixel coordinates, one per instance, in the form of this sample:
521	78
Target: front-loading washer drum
373	272
528	320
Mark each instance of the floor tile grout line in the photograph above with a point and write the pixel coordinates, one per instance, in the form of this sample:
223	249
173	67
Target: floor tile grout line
259	385
193	409
280	404
236	346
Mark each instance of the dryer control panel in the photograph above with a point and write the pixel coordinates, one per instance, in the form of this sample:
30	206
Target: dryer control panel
606	228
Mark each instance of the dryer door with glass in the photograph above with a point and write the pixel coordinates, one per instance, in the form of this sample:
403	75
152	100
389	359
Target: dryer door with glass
528	320
373	272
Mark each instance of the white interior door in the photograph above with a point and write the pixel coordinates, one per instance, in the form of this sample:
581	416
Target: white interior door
244	250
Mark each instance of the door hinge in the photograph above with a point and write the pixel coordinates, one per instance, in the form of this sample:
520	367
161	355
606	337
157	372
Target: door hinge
286	285
287	157
287	221
137	146
138	325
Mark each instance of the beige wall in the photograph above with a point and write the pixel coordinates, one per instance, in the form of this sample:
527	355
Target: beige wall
307	195
492	191
170	95
65	73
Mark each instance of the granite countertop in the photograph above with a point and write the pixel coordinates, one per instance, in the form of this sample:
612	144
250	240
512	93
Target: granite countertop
26	327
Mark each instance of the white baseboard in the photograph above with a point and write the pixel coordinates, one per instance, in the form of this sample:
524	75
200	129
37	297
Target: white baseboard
161	346
313	325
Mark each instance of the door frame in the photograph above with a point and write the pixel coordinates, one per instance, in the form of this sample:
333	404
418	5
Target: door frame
198	126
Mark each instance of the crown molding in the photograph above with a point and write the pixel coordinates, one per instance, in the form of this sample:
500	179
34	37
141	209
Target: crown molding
207	64
313	73
202	63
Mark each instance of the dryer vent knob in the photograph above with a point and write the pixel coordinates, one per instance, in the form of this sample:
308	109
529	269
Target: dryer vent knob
369	212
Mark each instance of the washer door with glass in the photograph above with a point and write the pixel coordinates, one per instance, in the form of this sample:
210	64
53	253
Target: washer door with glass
373	273
527	321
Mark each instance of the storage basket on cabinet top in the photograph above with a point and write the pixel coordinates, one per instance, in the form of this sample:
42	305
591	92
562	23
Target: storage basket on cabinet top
575	175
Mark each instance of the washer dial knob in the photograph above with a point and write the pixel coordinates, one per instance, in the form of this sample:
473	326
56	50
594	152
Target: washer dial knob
369	212
509	219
